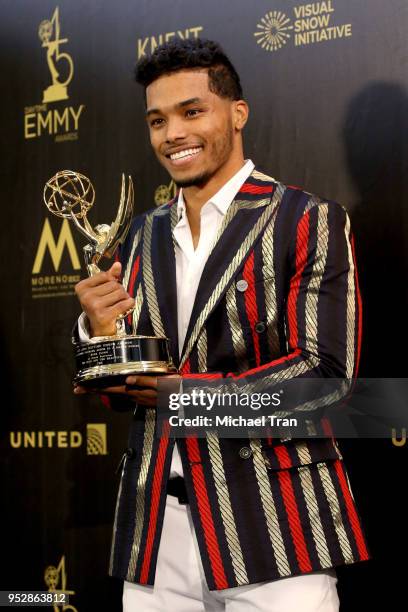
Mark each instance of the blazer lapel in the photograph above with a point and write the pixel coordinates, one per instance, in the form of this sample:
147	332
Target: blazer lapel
159	274
253	207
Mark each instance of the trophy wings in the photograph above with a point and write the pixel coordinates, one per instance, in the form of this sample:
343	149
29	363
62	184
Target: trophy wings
118	229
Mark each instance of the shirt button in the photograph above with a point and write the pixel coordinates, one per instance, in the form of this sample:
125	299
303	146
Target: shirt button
245	452
260	327
242	285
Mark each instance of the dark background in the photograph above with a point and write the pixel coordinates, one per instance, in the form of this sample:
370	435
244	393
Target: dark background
331	117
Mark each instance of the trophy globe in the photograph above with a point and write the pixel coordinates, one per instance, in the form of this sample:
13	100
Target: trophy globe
69	194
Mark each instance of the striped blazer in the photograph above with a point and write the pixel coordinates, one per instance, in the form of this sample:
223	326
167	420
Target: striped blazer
268	508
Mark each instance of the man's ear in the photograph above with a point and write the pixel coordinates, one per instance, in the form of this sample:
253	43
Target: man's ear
240	114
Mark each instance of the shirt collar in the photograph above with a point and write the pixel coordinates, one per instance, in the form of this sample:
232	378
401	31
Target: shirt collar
224	197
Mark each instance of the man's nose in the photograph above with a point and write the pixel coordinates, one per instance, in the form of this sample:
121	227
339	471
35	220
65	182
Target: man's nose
176	129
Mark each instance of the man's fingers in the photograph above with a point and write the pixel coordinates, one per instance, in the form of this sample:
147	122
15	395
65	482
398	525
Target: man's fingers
120	390
121	307
97	279
142	381
147	397
110	299
78	390
141	395
106	288
144	393
113	274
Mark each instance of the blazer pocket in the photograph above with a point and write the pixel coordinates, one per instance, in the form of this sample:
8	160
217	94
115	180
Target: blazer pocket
297	453
264	274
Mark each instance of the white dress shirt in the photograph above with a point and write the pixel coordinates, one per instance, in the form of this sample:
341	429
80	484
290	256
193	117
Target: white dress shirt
190	262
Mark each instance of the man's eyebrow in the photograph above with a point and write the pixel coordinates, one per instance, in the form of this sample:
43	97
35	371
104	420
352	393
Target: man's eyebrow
152	111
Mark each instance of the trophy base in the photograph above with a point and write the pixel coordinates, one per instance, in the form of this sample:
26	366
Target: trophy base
105	376
109	361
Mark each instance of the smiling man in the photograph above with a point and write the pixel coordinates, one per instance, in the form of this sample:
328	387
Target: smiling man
251	281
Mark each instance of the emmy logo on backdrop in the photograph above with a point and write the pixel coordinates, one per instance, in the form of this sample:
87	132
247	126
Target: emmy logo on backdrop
164	193
62	121
46	31
109	359
53	576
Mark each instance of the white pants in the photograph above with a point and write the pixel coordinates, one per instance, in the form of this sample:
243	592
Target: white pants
180	584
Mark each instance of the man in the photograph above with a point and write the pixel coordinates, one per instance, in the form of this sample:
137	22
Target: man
252	282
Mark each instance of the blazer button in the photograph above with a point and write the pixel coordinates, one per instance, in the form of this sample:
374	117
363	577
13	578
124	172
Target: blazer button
260	327
130	453
242	285
245	452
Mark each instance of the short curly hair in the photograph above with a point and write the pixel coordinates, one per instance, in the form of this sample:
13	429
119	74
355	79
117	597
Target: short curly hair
183	54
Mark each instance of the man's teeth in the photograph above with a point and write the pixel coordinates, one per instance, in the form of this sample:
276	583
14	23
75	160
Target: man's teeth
185	153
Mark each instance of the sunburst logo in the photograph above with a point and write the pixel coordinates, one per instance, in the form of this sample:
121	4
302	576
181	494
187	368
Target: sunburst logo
273	31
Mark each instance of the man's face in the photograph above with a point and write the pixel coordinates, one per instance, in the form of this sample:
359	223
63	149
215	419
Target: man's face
191	128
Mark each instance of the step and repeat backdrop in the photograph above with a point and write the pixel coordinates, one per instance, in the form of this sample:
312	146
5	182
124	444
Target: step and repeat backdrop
327	87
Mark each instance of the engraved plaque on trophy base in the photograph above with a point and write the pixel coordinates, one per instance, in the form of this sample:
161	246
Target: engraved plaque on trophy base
107	362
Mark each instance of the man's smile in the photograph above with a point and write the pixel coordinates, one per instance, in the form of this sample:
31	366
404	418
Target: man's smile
183	156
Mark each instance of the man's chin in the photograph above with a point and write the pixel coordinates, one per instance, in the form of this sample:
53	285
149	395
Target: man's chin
197	180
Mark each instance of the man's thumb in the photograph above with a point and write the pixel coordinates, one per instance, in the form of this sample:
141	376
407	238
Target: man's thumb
116	269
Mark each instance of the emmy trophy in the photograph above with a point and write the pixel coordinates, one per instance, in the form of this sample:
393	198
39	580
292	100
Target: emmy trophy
107	360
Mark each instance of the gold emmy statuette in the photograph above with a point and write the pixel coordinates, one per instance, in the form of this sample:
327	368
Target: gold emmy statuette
108	360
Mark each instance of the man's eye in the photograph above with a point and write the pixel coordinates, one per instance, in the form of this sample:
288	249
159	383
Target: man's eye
192	112
156	122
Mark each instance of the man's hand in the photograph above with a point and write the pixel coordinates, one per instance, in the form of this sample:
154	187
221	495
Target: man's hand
103	298
141	389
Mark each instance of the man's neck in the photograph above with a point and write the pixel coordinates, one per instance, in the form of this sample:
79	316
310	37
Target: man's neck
196	196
